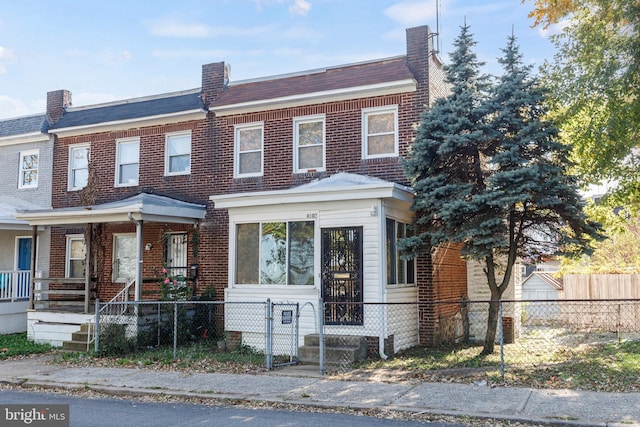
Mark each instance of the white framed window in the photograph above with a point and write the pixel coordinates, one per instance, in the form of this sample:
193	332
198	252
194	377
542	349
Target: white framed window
380	132
177	159
78	166
124	256
399	271
75	256
249	141
127	162
29	164
309	143
275	253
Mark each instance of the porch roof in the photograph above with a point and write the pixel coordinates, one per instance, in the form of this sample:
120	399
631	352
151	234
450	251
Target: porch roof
143	206
8	207
340	186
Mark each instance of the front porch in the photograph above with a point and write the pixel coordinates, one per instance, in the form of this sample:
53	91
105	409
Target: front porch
100	254
14	300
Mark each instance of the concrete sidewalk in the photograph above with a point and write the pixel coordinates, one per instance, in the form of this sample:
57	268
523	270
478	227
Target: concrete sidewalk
297	385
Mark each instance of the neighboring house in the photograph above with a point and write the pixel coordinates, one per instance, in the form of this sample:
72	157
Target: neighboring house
26	152
541	286
288	187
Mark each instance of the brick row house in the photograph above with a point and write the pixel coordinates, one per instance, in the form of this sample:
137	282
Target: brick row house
26	154
288	188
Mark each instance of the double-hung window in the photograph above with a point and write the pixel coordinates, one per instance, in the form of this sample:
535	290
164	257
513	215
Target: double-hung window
78	166
29	161
380	132
75	256
127	162
248	149
178	154
309	143
399	271
124	256
275	253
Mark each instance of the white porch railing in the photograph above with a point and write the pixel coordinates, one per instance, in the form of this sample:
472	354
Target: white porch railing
115	306
14	285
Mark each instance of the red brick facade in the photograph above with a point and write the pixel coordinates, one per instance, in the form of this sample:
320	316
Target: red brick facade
212	172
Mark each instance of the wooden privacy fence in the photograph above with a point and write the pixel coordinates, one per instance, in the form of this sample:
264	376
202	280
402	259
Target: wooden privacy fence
601	286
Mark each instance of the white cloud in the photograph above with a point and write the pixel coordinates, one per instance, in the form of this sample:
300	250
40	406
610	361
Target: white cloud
300	7
553	29
174	28
6	54
410	13
206	54
11	107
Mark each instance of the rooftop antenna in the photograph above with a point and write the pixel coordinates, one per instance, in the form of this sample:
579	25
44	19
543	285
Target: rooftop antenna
438	46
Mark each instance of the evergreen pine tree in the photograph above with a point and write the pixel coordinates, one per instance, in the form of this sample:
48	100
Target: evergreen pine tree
491	174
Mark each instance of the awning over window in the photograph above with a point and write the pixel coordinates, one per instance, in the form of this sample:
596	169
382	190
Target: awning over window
341	186
144	206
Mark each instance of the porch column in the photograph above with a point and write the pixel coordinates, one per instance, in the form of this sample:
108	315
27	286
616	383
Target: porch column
34	256
138	296
87	268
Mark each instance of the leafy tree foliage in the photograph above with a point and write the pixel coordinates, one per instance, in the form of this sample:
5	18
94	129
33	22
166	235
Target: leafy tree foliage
618	254
490	173
595	82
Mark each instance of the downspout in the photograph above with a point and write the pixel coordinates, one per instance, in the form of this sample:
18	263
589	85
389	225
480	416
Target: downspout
382	232
138	295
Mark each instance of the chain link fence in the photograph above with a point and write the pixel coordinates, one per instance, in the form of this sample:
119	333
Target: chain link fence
528	333
340	336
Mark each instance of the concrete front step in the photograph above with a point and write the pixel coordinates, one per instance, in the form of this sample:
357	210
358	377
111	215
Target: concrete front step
338	349
79	339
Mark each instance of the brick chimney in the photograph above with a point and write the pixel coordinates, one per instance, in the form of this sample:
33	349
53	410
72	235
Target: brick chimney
214	80
419	47
57	101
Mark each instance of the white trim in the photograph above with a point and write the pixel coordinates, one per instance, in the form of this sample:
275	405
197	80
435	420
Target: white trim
73	147
22	154
236	150
296	158
67	256
167	137
303	195
379	89
161	119
24	138
119	143
365	134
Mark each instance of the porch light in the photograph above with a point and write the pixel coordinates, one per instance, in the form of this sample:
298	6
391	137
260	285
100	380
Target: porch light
374	210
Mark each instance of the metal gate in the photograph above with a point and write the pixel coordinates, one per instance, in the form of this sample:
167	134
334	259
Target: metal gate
342	275
282	334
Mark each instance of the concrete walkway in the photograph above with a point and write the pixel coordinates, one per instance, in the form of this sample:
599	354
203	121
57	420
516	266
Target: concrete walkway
298	385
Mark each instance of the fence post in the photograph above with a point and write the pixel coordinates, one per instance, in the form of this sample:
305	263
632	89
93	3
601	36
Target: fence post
297	331
96	328
269	343
175	329
501	332
321	335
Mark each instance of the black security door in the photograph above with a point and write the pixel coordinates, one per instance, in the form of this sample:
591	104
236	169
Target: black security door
342	275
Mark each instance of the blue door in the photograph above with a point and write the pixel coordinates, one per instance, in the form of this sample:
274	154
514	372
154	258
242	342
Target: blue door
24	253
24	264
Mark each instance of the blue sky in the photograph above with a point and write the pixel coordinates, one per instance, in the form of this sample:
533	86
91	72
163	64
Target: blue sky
108	50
